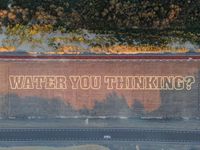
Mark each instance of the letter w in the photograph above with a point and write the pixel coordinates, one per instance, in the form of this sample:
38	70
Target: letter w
16	82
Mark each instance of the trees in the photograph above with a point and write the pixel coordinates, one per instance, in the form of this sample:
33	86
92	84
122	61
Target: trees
36	107
106	14
138	109
179	104
113	106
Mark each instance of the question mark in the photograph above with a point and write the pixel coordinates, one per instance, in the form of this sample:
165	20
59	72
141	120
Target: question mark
189	81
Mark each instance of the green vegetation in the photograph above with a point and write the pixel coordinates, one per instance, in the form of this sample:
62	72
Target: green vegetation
105	14
170	24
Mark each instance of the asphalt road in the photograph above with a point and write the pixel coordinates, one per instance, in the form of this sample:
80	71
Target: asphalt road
99	134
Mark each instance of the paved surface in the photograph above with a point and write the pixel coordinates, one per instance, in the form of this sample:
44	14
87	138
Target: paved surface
100	123
99	134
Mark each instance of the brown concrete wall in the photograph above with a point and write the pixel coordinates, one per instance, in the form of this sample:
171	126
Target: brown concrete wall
151	99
